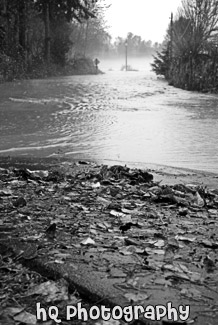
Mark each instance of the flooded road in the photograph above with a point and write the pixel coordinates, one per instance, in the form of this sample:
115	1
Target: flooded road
120	116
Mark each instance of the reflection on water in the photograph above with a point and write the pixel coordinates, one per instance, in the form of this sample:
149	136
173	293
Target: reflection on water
124	116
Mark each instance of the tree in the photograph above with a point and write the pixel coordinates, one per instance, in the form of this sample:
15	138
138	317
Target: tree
192	42
91	36
136	45
161	63
36	31
59	10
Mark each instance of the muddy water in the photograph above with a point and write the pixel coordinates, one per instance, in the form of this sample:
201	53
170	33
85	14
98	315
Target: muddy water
123	116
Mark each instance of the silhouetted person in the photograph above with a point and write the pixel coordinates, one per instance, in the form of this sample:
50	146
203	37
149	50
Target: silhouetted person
96	61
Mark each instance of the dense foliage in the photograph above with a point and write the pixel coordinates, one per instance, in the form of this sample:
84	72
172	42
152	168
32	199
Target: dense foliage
189	59
36	33
49	37
90	37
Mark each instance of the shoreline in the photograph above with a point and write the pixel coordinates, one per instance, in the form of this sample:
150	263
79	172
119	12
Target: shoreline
162	173
79	66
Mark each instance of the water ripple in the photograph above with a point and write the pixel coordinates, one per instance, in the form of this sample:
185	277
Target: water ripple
119	116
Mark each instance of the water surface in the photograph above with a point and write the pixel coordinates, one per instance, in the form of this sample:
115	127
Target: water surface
123	116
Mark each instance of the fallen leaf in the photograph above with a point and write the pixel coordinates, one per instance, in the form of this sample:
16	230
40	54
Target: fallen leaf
53	291
117	214
160	243
88	241
135	297
188	239
20	202
96	185
26	318
12	311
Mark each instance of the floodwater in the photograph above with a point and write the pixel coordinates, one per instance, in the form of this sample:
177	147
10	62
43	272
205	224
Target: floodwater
130	117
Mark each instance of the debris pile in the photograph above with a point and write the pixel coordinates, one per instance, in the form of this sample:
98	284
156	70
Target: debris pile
119	221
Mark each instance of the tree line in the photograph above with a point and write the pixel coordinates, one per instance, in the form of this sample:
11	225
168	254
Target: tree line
36	33
37	37
93	39
136	46
189	58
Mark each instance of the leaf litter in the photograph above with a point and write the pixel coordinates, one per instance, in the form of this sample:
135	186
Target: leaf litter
105	211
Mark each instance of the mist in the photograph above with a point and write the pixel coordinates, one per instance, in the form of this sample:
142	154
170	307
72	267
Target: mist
117	64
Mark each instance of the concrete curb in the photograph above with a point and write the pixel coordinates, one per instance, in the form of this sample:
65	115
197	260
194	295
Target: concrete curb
97	285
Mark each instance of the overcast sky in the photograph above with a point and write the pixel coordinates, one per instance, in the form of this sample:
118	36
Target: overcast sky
147	18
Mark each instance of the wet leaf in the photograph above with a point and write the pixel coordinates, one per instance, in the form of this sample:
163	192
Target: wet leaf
88	241
213	212
6	319
191	293
183	211
161	281
136	297
62	256
96	185
207	243
129	250
176	269
172	243
117	273
209	264
59	261
132	241
160	243
195	277
39	173
53	291
198	200
12	311
151	251
26	318
51	231
101	226
126	219
126	227
117	214
30	252
103	201
186	239
5	192
20	202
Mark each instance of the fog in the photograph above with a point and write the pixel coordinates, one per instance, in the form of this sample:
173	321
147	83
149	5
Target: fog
135	63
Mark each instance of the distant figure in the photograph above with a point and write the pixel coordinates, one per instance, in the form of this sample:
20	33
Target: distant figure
96	61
